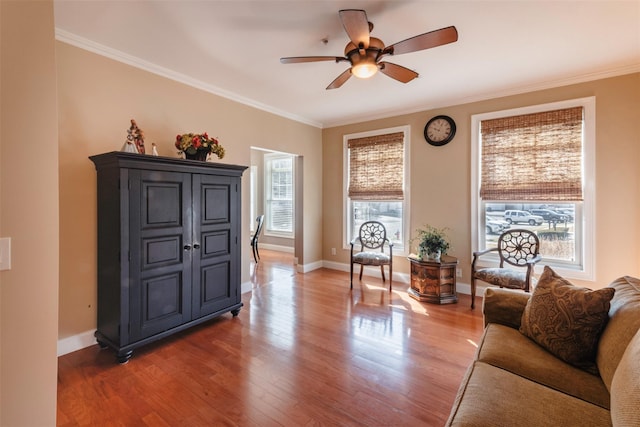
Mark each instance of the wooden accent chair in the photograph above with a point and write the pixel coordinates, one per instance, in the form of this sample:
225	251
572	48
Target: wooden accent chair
372	236
517	248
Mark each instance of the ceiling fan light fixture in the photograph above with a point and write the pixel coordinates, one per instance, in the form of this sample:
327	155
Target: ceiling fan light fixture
364	70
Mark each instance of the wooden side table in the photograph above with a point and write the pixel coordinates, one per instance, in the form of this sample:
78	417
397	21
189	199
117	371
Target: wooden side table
434	281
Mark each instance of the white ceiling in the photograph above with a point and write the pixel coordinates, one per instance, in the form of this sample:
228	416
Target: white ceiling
232	48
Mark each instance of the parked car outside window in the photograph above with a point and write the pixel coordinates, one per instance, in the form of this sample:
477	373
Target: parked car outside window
496	226
570	213
549	215
515	217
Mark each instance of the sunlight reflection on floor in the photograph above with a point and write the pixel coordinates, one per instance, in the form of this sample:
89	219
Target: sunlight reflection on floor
406	302
376	321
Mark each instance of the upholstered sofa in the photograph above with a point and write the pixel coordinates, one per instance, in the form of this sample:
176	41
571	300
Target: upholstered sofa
515	381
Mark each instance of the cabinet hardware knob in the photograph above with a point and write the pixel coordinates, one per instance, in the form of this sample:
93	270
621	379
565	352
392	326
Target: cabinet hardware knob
187	247
196	246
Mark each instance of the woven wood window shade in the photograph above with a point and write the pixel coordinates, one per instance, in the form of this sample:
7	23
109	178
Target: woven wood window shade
376	167
533	157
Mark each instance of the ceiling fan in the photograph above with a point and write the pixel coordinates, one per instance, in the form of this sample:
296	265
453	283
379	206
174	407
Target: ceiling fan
364	52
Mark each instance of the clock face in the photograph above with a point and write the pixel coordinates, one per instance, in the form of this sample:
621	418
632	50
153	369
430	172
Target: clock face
440	130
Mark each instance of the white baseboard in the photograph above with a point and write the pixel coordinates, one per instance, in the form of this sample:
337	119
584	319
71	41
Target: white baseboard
278	248
76	342
246	287
305	268
465	288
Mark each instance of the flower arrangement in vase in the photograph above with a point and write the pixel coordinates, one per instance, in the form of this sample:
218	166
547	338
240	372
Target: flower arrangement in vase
198	146
432	242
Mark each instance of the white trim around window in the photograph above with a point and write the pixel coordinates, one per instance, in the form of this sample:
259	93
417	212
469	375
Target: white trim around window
585	242
279	197
346	224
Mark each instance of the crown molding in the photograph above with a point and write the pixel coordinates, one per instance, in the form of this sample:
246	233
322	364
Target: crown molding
116	55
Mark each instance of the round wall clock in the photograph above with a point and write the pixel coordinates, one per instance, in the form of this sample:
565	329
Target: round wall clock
440	130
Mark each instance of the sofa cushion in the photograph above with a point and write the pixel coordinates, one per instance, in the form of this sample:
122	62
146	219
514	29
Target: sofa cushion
624	322
567	320
491	396
625	387
508	349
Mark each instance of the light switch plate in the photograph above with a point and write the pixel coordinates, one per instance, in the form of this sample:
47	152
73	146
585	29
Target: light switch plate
5	253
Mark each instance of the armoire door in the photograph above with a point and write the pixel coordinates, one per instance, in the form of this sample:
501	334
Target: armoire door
160	252
215	227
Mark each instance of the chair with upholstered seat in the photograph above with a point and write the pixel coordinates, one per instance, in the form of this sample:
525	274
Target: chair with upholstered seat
254	238
372	236
517	248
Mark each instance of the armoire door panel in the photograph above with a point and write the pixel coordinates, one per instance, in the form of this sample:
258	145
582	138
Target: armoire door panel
162	297
215	203
164	302
214	291
161	203
213	199
162	251
216	243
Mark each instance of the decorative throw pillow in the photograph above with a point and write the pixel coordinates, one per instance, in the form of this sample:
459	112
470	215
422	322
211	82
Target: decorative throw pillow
567	320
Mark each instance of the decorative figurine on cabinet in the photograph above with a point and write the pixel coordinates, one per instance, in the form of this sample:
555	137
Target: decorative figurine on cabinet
135	139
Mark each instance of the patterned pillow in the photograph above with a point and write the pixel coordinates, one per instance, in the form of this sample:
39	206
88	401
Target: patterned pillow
567	320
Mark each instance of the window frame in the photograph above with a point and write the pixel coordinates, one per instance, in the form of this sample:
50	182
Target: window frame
268	193
346	200
585	242
253	197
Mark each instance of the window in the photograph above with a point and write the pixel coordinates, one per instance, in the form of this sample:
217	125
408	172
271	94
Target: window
533	168
375	184
279	195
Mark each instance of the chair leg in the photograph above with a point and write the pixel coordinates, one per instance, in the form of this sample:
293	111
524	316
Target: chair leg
382	271
361	267
253	248
351	275
257	251
390	276
473	292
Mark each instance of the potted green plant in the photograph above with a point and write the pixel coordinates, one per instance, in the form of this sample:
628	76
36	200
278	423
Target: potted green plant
432	242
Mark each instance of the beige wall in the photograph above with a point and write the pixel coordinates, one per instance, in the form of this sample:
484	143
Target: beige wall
440	176
97	98
29	215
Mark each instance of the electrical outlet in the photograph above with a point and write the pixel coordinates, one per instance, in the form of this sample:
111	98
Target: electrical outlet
458	272
333	251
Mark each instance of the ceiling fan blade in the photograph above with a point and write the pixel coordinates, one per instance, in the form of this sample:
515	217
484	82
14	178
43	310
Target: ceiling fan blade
423	41
397	72
300	59
340	80
356	25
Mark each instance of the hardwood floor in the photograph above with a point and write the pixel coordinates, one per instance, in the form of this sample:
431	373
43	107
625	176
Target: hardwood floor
304	351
